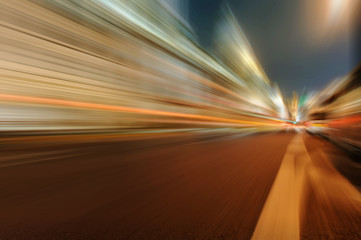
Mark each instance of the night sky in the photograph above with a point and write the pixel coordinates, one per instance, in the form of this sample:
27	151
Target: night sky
277	30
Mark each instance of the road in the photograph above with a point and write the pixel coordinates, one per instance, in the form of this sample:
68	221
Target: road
265	186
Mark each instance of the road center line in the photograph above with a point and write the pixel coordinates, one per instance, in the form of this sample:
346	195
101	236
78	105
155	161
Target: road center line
280	217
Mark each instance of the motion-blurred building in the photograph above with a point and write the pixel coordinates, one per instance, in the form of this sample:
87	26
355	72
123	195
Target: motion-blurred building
335	112
73	65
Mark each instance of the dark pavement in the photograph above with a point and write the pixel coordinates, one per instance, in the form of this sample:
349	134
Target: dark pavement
175	187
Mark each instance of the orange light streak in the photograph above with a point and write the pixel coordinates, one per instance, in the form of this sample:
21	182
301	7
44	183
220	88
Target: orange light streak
38	100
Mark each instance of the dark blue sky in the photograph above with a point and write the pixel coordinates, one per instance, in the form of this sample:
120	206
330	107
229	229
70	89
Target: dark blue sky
275	29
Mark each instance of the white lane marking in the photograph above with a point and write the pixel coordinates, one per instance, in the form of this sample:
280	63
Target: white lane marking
280	217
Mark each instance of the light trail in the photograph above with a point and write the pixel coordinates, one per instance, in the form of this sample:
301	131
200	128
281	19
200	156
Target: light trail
28	99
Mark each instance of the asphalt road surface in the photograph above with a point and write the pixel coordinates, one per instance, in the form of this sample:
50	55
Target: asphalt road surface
265	186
